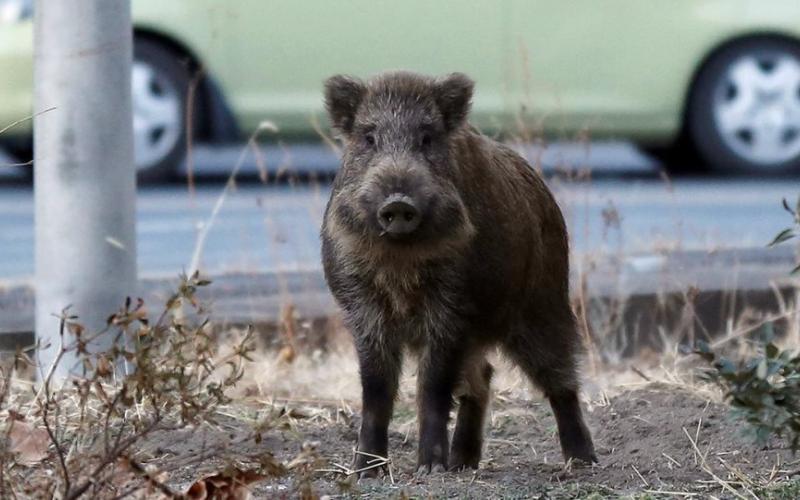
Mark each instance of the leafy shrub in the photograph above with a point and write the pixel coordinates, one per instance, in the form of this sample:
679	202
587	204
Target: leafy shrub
763	390
789	232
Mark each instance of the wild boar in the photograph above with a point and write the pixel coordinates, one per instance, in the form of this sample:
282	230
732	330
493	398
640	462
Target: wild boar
441	242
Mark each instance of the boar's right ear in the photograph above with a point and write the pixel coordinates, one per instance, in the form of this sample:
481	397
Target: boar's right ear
453	95
343	94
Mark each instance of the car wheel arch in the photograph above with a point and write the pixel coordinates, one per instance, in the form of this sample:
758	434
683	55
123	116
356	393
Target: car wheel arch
719	48
678	153
214	120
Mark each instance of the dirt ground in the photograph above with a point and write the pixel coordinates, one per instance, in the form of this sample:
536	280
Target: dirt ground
658	441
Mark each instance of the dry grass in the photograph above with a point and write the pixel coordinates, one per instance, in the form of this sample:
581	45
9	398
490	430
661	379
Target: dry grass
286	425
289	427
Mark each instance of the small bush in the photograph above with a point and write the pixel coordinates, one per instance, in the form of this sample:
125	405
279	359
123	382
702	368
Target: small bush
789	232
763	390
158	377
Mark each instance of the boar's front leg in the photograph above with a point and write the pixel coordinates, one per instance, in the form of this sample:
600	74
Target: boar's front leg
439	371
465	451
380	371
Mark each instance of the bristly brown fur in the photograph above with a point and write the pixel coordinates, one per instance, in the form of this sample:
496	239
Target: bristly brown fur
487	266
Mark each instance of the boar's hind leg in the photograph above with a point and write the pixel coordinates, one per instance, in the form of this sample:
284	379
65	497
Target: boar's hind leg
547	355
576	442
380	372
472	402
439	372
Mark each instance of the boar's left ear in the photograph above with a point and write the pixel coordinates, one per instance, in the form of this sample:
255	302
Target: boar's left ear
343	94
453	94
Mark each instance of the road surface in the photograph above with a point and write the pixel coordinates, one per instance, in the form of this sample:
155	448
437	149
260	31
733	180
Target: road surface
628	208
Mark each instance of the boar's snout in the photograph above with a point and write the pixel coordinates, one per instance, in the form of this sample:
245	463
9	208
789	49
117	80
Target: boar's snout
398	215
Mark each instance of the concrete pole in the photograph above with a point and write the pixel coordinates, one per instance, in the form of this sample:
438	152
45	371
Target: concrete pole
84	177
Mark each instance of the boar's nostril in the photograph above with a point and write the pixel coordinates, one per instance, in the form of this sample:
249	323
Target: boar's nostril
398	215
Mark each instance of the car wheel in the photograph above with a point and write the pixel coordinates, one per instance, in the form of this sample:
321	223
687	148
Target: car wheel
678	157
159	84
744	110
21	149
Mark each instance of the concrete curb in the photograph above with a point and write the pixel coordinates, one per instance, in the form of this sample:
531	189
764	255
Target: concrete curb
683	293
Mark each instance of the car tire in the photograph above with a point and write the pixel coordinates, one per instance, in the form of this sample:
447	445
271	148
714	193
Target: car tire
160	73
743	113
21	149
679	157
160	84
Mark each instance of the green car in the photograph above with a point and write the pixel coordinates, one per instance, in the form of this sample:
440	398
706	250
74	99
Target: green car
721	77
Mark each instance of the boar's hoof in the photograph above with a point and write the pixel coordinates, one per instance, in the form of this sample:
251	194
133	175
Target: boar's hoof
465	454
369	473
462	465
584	456
426	469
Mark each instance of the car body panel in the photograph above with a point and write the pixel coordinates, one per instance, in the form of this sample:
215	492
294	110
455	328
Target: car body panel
622	67
16	78
614	68
293	46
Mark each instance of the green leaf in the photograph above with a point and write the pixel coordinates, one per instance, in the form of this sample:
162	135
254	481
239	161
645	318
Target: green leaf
787	207
725	366
761	371
703	350
784	235
772	351
797	210
767	332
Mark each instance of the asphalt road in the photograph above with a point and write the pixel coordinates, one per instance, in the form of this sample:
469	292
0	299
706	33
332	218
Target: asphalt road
627	208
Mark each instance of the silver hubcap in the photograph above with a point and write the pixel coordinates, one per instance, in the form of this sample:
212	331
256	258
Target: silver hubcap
156	115
757	107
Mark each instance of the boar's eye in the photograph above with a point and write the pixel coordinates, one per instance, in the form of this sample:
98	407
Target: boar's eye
369	138
426	140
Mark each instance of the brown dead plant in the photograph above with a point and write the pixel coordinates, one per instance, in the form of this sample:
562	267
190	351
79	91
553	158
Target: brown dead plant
158	376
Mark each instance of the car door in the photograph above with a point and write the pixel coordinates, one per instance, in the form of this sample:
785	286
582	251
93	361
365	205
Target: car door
286	49
598	66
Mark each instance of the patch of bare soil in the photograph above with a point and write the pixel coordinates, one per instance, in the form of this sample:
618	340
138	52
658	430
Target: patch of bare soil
658	441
